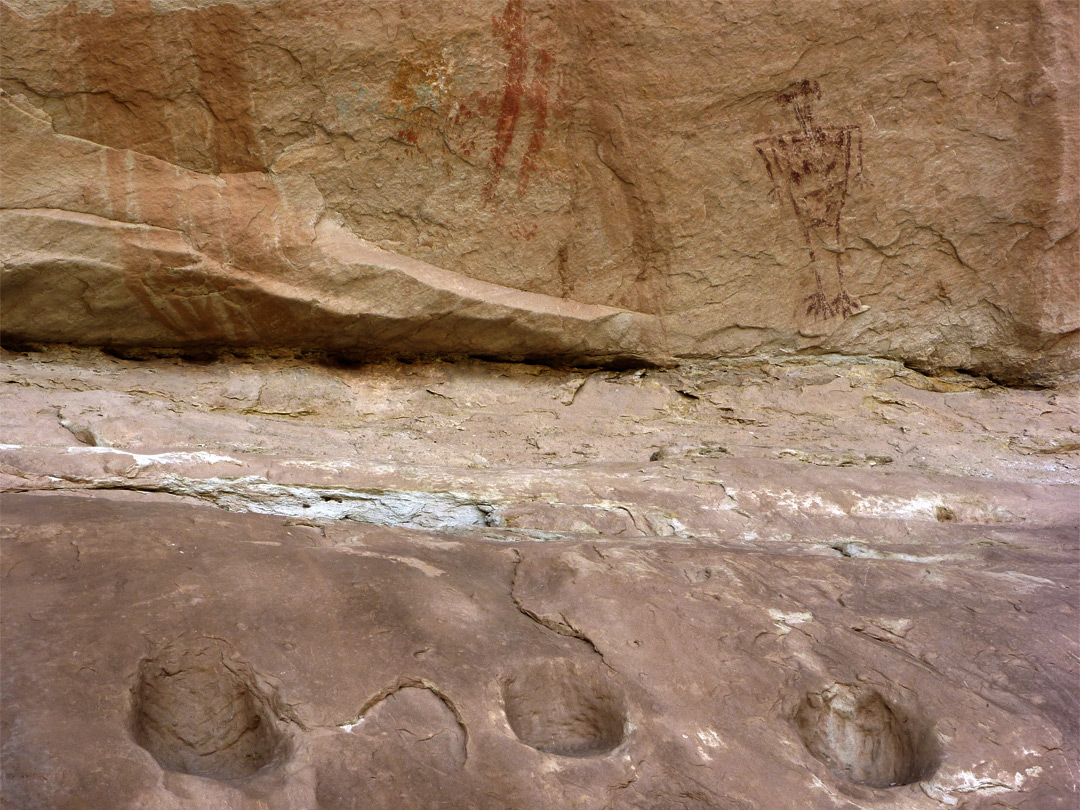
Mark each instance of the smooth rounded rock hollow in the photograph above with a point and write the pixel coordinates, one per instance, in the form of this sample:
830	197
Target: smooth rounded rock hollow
560	707
864	738
199	715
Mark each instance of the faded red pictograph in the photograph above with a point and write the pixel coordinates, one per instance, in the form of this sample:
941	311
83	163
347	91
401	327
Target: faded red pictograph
439	111
520	96
812	167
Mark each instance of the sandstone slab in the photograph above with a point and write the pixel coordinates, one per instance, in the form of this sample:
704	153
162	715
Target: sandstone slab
156	256
267	582
221	660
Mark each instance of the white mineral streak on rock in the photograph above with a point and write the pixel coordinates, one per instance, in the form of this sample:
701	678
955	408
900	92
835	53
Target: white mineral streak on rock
921	507
784	621
155	458
805	503
417	510
710	738
946	787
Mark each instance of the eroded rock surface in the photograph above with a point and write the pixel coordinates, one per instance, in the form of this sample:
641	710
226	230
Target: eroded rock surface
262	582
197	712
521	404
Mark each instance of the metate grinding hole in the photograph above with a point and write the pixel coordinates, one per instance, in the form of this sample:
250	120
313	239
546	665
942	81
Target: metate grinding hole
198	714
564	708
864	738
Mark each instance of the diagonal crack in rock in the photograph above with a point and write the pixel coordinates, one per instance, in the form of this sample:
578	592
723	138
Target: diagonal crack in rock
561	626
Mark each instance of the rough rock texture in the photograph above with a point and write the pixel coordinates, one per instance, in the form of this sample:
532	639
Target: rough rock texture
539	405
212	261
278	584
891	178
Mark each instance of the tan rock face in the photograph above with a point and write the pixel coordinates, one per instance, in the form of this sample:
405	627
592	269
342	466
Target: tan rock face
898	180
512	404
111	247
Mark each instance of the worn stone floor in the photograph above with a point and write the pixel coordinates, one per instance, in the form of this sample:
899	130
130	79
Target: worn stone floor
284	582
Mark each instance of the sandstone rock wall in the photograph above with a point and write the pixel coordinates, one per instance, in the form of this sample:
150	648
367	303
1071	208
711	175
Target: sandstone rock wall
807	583
895	178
